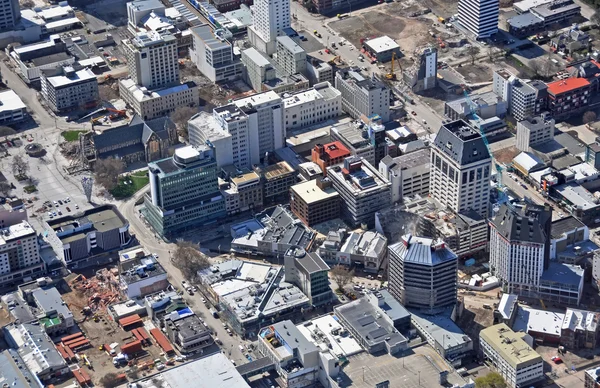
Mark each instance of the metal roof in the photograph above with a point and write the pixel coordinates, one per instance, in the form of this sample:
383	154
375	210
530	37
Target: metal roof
462	143
423	251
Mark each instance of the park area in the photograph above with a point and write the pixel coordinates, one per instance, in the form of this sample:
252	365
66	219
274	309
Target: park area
130	184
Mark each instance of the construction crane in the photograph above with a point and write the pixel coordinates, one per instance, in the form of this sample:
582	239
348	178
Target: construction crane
499	168
116	113
391	75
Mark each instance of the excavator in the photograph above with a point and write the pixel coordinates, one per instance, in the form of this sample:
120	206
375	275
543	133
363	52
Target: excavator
116	113
392	75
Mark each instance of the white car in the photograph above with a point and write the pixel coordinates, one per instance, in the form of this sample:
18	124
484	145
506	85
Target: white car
50	214
76	206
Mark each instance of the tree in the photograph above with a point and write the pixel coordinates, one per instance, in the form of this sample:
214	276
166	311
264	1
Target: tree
20	167
473	51
5	189
27	4
589	117
341	275
491	380
6	131
107	171
110	380
189	260
181	116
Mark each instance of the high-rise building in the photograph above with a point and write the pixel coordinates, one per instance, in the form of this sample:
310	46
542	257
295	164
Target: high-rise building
291	58
184	191
269	20
422	273
363	95
423	75
308	272
460	168
479	17
409	174
520	246
19	253
533	131
214	55
152	59
525	99
10	13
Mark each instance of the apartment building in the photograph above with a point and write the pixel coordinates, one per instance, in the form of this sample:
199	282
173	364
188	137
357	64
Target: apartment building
315	201
533	131
213	55
290	57
520	246
152	59
11	13
362	95
409	174
312	106
422	273
326	155
511	354
568	96
270	18
525	99
70	89
265	112
363	190
308	272
258	69
245	192
19	254
460	168
479	17
184	191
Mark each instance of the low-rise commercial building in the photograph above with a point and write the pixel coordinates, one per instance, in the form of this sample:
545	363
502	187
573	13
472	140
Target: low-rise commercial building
326	155
511	355
381	48
140	273
351	136
362	188
315	201
72	89
313	106
14	369
47	306
568	96
542	16
277	180
485	105
580	329
365	250
187	332
245	192
533	131
570	241
85	238
12	109
592	378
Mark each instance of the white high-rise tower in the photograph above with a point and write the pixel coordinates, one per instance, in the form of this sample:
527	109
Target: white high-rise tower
480	17
270	18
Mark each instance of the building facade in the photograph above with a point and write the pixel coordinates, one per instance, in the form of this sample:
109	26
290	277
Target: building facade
291	58
152	59
568	96
479	17
315	201
214	56
312	106
408	174
70	90
326	155
308	272
19	254
533	131
362	95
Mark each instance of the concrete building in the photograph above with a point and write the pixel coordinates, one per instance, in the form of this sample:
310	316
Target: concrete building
363	190
37	351
315	201
422	273
10	14
86	238
318	71
14	369
258	69
460	168
308	272
568	96
520	246
365	250
184	191
187	332
140	273
331	154
270	20
214	56
423	76
139	9
290	57
356	139
312	106
12	109
479	17
370	326
408	174
484	105
231	286
48	307
533	131
277	179
562	283
152	59
525	99
362	95
511	355
580	329
245	192
152	104
570	241
70	89
542	16
265	113
382	48
19	254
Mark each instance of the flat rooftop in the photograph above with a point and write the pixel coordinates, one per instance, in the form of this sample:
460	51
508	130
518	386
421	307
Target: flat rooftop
102	219
136	269
277	170
76	77
538	321
310	192
382	44
442	328
328	328
510	345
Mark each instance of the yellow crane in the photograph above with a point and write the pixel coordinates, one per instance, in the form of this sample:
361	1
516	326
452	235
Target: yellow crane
543	304
392	75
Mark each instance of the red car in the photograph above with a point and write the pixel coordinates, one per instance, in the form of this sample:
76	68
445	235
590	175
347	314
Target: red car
557	360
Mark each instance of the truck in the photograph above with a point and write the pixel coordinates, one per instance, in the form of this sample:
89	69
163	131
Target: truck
213	312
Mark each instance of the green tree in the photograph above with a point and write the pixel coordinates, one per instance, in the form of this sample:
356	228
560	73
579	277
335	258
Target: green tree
491	380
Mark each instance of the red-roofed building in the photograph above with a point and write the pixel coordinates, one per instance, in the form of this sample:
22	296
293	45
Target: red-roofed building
568	96
329	154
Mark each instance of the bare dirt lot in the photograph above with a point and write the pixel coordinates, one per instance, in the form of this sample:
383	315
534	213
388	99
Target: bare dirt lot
476	73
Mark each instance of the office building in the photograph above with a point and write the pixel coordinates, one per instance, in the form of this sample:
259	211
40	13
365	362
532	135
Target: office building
187	331
315	201
12	109
533	131
525	99
312	106
422	273
318	71
245	141
363	190
277	180
139	9
290	57
265	113
258	69
270	19
408	174
10	14
570	241
70	89
184	191
152	104
520	246
363	96
568	96
308	272
244	192
423	75
479	17
140	274
511	355
84	238
204	128
19	254
460	168
356	139
152	59
331	154
214	55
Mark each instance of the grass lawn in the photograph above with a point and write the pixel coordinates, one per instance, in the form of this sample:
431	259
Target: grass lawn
130	184
71	135
30	189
